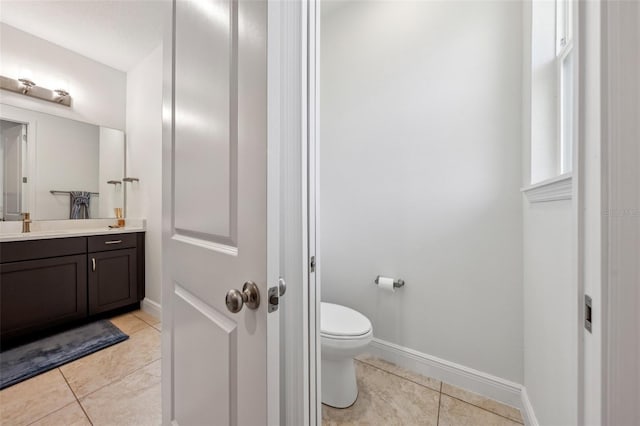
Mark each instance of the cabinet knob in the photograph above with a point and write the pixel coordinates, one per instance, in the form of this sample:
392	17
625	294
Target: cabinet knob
93	264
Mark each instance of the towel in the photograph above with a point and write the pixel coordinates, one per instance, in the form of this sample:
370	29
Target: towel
79	204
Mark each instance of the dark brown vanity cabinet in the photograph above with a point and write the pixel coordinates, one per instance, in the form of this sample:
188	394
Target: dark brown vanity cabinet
48	283
42	293
112	272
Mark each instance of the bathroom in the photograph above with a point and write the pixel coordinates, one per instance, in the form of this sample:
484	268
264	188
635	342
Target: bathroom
80	268
334	212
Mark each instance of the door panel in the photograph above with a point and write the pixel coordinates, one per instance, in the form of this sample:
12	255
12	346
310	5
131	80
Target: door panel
216	337
206	122
218	212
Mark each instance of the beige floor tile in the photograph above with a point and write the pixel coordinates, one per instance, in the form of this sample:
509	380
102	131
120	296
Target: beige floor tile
146	317
23	403
385	399
92	372
399	371
129	323
454	412
158	326
483	402
133	400
71	415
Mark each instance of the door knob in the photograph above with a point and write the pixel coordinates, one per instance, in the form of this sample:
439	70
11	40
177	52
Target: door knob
250	296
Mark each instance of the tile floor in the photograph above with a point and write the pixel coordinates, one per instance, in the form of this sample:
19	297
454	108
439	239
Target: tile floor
390	395
119	385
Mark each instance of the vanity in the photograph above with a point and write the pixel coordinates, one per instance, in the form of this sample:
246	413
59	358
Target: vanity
70	178
54	279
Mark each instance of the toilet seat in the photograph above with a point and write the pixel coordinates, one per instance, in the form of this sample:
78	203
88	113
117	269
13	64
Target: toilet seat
342	323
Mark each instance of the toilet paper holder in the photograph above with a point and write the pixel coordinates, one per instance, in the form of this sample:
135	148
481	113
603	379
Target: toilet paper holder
397	283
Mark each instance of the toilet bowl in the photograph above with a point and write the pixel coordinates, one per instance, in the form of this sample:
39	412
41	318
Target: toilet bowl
344	334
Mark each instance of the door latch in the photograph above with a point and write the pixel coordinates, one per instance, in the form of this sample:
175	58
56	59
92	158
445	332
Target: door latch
587	312
275	293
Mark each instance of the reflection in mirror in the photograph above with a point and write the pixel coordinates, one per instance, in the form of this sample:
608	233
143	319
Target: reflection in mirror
12	153
56	168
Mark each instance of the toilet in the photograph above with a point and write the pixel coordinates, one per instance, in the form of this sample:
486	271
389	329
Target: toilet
344	334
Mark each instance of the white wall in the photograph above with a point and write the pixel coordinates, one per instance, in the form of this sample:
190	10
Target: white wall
550	291
550	300
144	160
98	91
420	174
112	154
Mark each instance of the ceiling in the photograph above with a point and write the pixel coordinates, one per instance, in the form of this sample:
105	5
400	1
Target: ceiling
118	33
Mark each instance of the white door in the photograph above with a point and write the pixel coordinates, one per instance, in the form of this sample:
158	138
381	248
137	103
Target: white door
215	237
14	144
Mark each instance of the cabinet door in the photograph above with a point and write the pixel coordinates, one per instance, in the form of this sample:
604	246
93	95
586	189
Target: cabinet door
112	280
39	294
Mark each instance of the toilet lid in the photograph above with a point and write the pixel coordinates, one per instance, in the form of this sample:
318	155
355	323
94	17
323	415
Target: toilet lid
338	320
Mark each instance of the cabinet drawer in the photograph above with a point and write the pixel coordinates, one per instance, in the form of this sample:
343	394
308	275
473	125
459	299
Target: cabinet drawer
111	242
17	251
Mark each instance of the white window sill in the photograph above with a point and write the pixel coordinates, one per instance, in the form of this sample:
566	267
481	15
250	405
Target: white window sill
554	189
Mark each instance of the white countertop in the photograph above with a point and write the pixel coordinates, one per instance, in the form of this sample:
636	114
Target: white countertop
41	230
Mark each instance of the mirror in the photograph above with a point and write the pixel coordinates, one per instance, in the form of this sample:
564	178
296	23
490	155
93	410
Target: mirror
57	168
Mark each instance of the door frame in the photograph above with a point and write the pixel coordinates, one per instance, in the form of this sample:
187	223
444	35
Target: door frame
313	134
29	189
620	390
300	390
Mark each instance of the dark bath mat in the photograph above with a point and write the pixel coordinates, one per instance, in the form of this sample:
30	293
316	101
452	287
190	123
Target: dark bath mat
24	362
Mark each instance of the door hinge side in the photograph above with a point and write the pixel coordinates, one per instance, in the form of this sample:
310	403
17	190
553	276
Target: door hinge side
312	264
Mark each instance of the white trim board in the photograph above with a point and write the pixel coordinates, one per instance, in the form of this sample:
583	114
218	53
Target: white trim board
554	189
484	384
151	307
528	415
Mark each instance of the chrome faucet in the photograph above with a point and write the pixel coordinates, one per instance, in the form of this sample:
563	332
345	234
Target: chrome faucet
26	222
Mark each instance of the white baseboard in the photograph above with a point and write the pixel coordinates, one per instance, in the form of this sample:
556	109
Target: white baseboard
485	384
527	410
151	307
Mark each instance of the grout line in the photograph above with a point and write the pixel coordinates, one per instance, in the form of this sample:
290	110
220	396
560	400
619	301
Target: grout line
441	392
147	326
48	414
439	403
76	397
121	378
145	321
402	377
57	409
482	408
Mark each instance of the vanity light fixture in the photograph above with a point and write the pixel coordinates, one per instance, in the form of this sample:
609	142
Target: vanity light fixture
62	94
27	87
